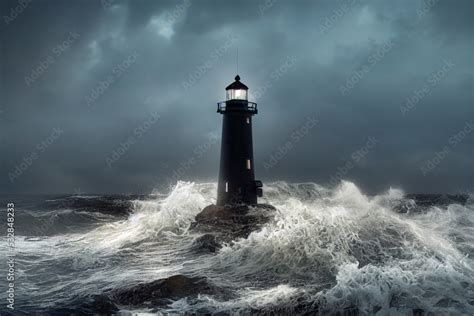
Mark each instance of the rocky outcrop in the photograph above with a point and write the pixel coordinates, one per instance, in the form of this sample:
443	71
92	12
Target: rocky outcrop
82	306
217	224
227	223
161	292
154	294
206	243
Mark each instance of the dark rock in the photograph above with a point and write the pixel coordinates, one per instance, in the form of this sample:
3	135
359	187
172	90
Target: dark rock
206	243
349	311
230	222
91	305
299	308
161	292
418	312
154	294
101	304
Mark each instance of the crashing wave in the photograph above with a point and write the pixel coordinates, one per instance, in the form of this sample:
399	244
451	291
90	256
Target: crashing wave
335	248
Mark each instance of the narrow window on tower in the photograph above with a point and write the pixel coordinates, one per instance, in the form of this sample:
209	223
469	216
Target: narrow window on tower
227	186
248	120
249	166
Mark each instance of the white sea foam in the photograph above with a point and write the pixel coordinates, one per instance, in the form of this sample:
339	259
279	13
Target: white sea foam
158	218
380	259
263	300
336	248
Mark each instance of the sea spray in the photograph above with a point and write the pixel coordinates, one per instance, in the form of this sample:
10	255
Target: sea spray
325	249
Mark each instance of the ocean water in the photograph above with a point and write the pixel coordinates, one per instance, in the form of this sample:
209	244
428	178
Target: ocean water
324	249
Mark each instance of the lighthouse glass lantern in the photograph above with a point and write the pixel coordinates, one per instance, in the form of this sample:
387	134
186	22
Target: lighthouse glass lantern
237	94
236	91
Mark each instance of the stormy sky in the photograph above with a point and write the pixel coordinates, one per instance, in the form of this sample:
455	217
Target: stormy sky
120	97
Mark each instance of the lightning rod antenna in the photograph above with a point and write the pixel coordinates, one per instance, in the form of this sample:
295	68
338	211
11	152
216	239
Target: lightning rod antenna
237	60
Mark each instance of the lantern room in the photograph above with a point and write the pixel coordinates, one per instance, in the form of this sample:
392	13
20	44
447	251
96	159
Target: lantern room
236	90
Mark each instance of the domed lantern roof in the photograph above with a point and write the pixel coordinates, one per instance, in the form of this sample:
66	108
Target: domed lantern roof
236	90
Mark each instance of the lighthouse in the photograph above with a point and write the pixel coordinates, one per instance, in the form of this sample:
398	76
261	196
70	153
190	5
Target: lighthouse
237	211
237	184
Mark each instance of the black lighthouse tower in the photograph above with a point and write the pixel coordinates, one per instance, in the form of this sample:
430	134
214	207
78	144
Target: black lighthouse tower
237	184
234	213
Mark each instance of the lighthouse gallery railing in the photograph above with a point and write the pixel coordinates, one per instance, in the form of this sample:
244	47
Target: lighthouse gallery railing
248	106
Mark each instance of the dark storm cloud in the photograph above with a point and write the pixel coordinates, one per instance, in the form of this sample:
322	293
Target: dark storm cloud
101	70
